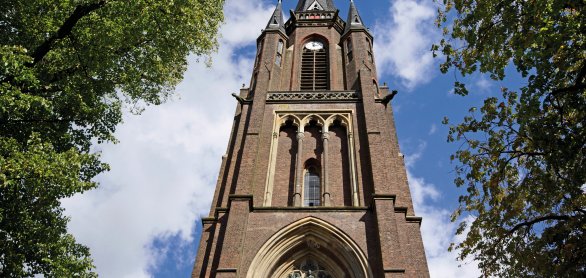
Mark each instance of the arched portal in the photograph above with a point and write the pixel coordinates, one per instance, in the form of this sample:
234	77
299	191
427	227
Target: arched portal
309	246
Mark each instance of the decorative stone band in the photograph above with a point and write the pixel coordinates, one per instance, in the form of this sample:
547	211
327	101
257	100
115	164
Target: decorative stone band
314	96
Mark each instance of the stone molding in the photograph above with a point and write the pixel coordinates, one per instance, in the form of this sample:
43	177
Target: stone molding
319	233
313	96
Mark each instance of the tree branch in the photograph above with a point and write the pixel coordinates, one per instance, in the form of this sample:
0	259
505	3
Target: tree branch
521	153
537	220
65	29
580	86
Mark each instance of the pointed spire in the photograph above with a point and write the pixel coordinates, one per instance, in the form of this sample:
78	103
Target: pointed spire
325	5
354	21
277	21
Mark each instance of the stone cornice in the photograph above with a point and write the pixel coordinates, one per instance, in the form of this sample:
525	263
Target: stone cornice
313	96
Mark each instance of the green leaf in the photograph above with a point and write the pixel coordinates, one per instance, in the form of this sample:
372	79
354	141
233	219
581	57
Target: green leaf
522	158
66	70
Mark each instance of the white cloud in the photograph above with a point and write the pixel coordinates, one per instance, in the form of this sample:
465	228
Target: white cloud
432	129
167	159
416	155
165	167
483	84
406	41
437	230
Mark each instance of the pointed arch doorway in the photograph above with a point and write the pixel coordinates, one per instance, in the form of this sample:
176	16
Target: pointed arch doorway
308	248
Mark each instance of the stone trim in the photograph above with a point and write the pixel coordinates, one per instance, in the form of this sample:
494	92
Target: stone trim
403	210
414	219
235	197
384	197
313	96
304	231
297	209
208	220
312	209
394	270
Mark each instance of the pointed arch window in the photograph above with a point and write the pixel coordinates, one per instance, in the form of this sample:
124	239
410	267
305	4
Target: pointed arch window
369	45
279	58
253	83
315	66
312	187
349	50
259	48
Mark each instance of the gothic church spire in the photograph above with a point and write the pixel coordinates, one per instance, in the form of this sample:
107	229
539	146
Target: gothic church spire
277	21
354	21
308	5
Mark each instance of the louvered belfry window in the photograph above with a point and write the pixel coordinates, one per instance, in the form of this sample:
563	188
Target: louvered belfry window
314	70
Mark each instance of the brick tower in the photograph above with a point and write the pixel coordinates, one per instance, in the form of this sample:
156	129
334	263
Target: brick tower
313	183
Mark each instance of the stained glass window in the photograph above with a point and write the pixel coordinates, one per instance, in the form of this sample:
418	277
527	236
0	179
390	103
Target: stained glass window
309	269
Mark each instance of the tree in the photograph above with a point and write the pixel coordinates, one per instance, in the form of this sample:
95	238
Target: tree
68	69
523	154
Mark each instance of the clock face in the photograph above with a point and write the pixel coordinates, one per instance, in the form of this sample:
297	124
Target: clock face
314	45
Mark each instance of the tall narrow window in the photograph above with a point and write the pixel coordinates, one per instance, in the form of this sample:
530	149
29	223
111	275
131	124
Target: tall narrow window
314	67
312	187
279	58
349	50
258	53
253	83
369	46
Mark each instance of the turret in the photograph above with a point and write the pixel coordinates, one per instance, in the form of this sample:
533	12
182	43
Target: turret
354	21
277	21
272	45
357	43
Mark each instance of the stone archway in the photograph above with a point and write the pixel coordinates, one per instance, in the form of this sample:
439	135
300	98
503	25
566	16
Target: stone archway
310	246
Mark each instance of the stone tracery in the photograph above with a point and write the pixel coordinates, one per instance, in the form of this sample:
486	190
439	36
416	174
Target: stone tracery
309	269
335	142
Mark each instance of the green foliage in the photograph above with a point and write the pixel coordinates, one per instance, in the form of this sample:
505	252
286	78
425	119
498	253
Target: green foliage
523	161
67	69
33	231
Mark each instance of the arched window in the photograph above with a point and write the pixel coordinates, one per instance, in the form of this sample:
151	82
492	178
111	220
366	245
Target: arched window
314	66
279	58
349	49
369	45
259	47
312	187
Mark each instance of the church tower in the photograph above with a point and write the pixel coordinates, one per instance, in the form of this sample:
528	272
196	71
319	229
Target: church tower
313	183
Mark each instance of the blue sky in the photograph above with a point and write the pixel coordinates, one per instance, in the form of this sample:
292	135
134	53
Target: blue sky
143	221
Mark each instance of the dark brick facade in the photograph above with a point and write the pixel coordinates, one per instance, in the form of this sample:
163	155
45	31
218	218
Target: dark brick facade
347	131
